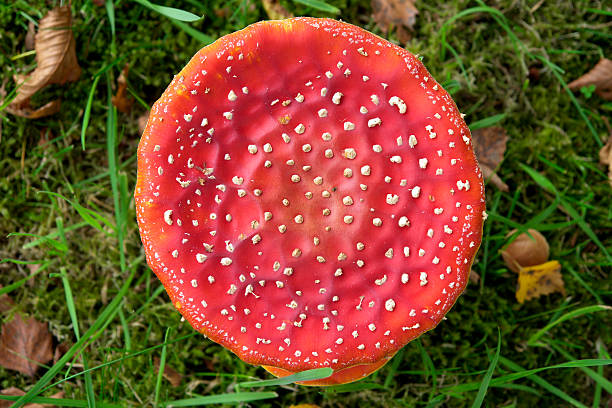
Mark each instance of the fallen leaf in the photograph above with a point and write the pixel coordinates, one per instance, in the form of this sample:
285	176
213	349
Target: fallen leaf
142	122
13	392
525	250
121	100
60	350
395	13
23	344
170	374
223	12
6	303
275	10
534	74
605	157
25	111
600	76
474	277
55	59
29	38
16	392
490	146
538	280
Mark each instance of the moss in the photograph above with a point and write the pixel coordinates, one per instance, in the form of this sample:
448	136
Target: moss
489	76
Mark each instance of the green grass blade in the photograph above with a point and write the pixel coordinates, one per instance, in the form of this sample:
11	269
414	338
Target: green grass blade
602	353
584	117
508	378
59	246
319	5
541	180
115	179
91	217
576	275
599	379
54	234
100	322
162	366
127	338
69	301
110	12
598	11
570	315
60	402
91	397
430	369
486	380
87	113
158	291
446	26
221	399
543	383
392	370
547	185
585	227
309	375
486	122
198	35
9	288
354	387
170	12
121	359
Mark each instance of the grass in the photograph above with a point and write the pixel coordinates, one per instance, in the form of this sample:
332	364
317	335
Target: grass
71	254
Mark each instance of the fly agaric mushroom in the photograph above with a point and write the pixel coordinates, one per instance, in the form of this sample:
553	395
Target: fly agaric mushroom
309	197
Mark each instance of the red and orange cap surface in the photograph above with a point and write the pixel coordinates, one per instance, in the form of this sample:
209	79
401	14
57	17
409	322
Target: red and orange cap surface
309	197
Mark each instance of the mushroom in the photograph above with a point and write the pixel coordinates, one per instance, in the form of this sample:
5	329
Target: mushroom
309	197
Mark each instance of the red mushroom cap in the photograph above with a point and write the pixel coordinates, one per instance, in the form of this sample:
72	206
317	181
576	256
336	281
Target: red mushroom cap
309	196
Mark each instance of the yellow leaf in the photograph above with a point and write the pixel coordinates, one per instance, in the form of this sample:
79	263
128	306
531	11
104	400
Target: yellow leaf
538	280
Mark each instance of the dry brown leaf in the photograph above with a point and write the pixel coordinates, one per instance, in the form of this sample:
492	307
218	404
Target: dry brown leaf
474	277
121	100
275	10
605	157
23	343
538	280
600	76
60	350
25	111
490	146
29	38
16	392
142	122
525	250
13	392
397	13
6	303
170	374
55	58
